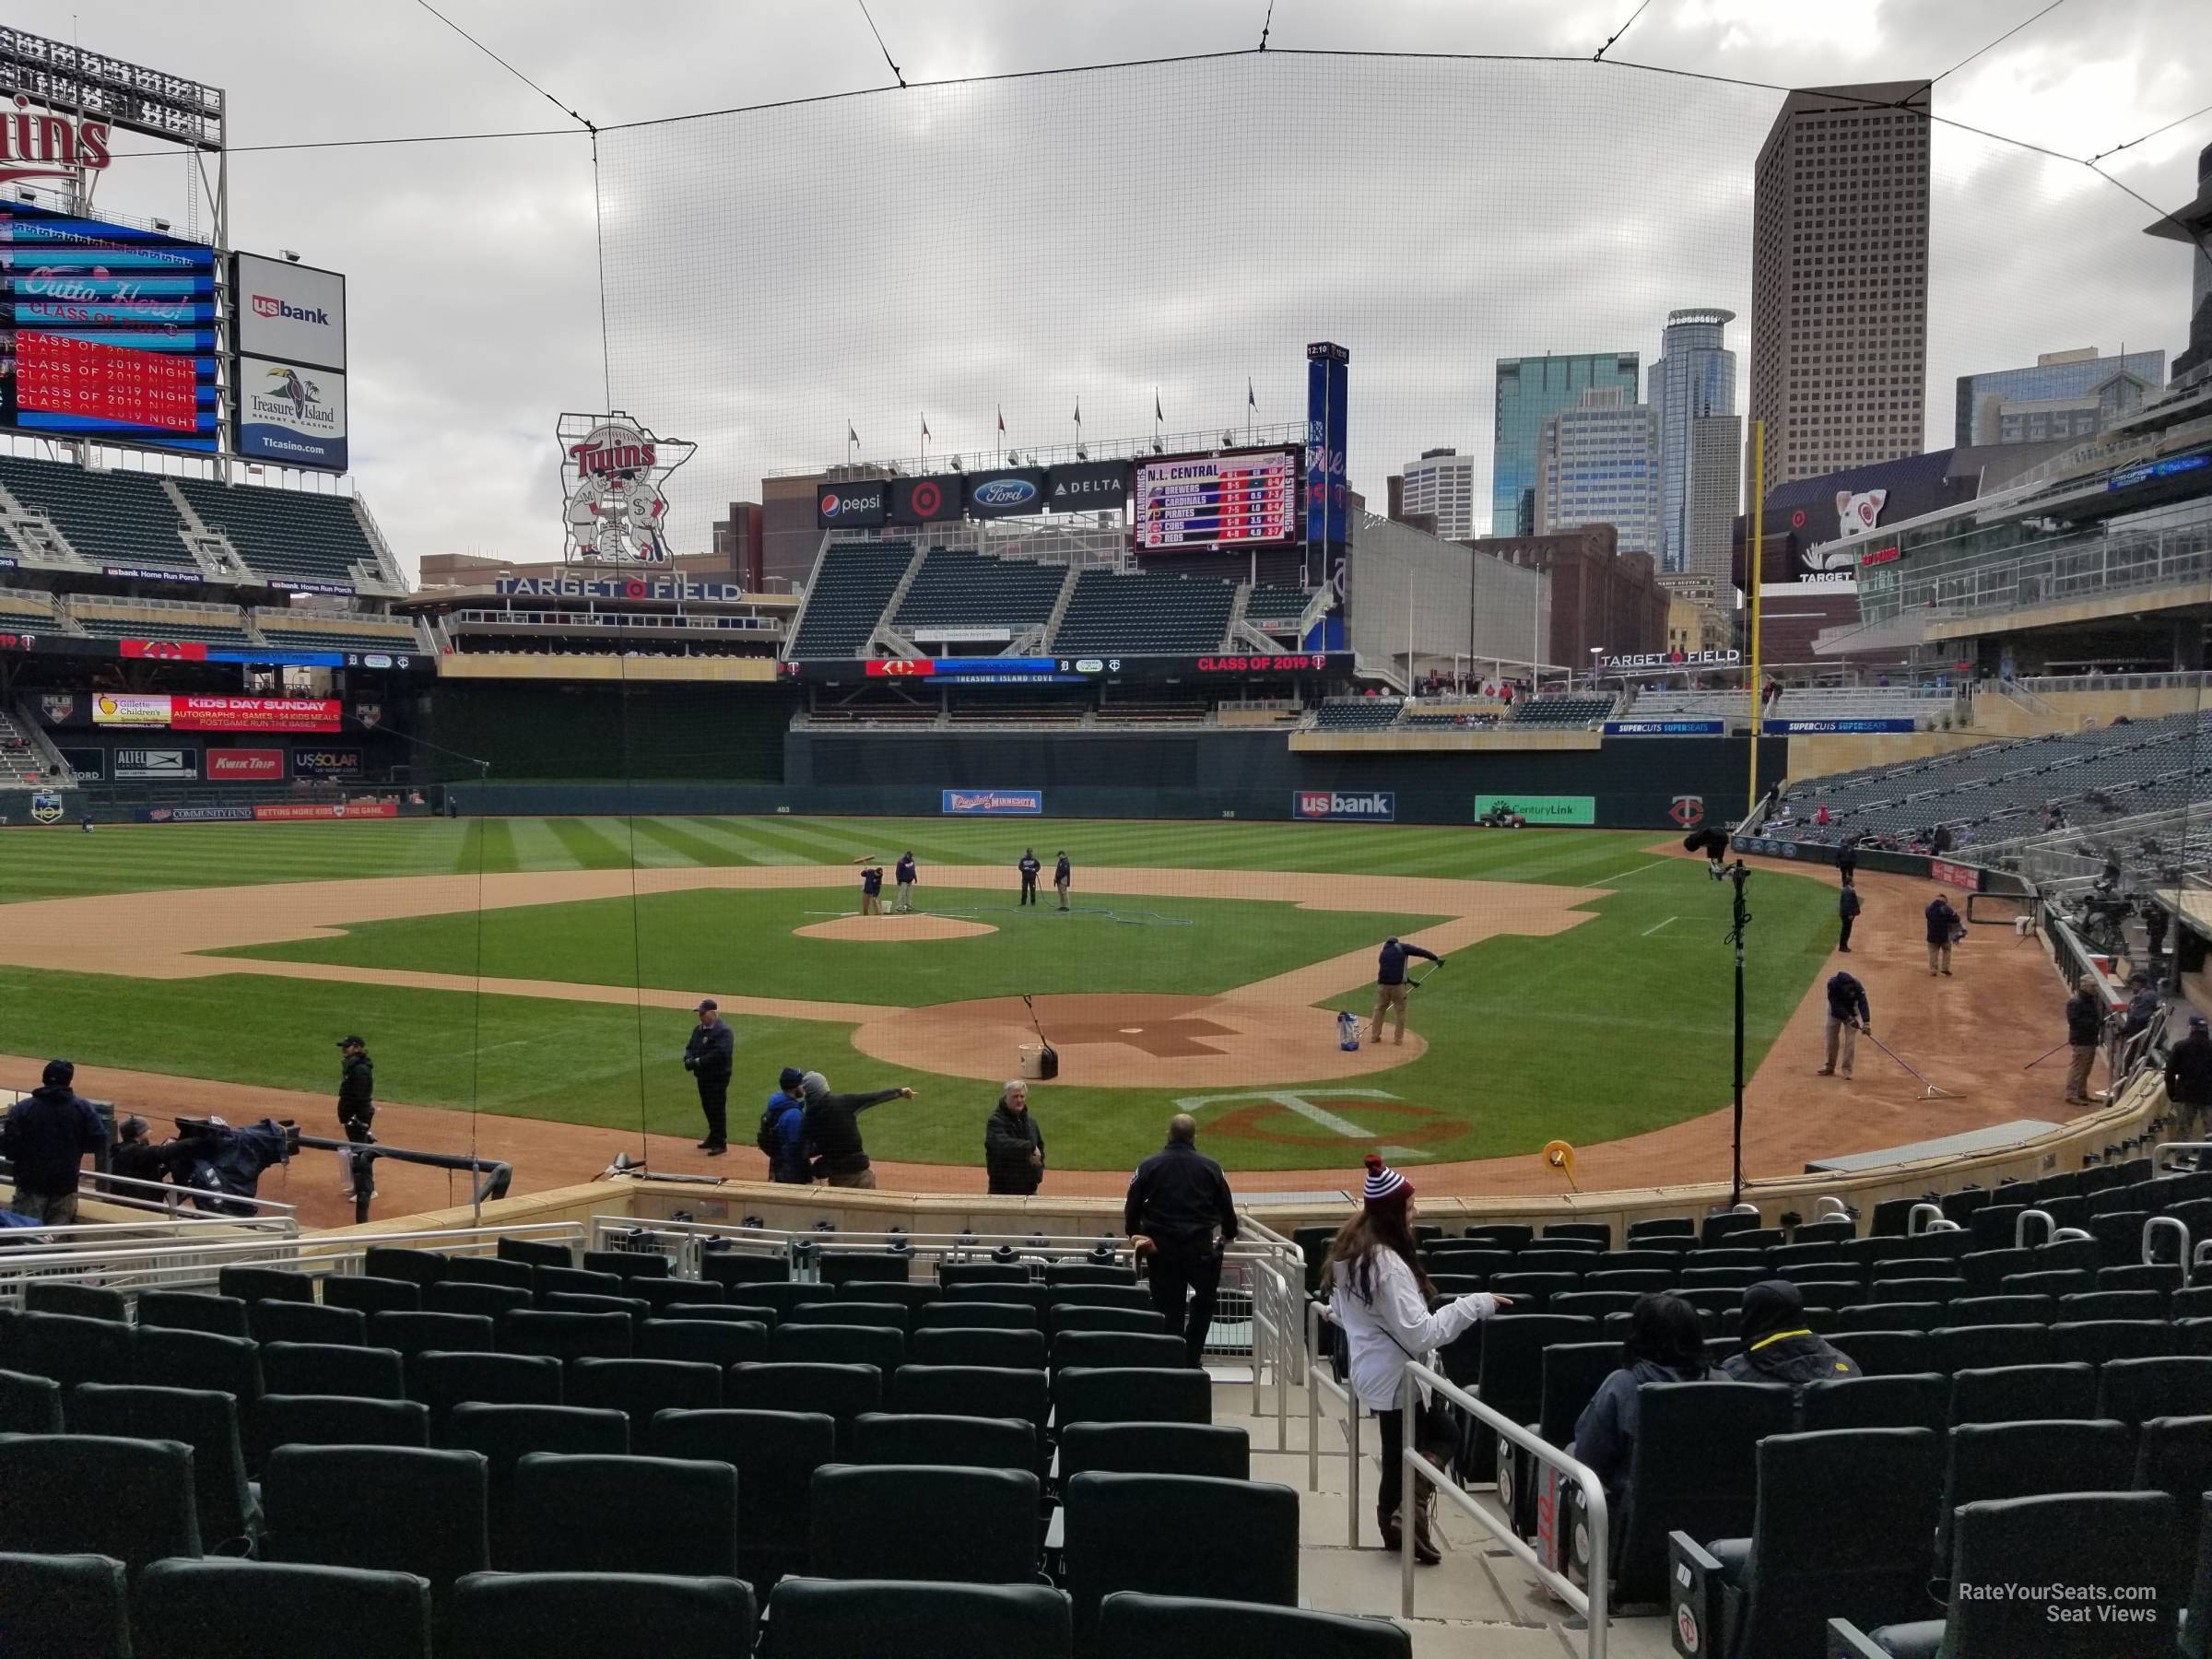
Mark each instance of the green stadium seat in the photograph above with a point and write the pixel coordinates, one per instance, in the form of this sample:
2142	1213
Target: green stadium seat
335	1420
565	1336
885	1315
193	1311
1131	1349
1011	1350
1220	1450
64	1606
881	1437
206	1422
460	1297
639	1388
582	1512
384	1508
86	1301
536	1253
2029	1459
837	1344
408	1334
506	1434
315	1368
1918	1401
975	1316
225	1609
662	1294
716	1342
30	1405
863	1618
1126	1394
635	1308
442	1381
733	1313
510	1274
627	1264
776	1454
419	1268
2015	1394
251	1285
367	1295
130	1500
1115	1542
729	1268
308	1322
2134	1391
605	1614
1189	1627
1073	1316
72	1350
888	1521
230	1365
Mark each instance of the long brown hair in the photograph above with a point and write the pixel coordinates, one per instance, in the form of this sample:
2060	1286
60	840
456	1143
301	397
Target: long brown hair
1375	1227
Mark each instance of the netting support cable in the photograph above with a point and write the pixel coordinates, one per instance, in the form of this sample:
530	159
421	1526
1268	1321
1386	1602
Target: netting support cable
607	356
1268	23
503	64
2007	35
475	1046
1599	56
896	74
637	953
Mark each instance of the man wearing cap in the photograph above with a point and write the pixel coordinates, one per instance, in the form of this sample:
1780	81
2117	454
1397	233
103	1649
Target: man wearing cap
1178	1201
44	1136
2085	1029
905	878
710	1056
2189	1079
356	1111
1390	985
1943	932
135	1156
1062	874
2143	1006
782	1133
1848	1015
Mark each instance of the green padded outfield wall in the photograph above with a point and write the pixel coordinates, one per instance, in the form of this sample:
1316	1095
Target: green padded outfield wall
592	732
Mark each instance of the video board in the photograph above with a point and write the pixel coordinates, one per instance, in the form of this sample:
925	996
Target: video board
1232	498
107	332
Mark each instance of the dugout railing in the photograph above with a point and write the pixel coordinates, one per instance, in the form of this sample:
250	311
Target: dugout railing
1255	1323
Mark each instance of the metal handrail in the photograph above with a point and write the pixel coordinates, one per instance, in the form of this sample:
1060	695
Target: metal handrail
2202	1149
1589	1603
171	1198
2019	1227
1318	1380
1933	1211
182	1261
2179	1226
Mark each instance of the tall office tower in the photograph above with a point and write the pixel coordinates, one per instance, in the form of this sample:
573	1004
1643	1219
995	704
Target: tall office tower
1716	467
2071	394
1694	380
1839	278
1598	463
1530	391
1443	483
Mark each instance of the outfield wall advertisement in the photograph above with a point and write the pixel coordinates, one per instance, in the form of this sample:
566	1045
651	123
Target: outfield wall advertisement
1541	809
215	714
994	803
1373	806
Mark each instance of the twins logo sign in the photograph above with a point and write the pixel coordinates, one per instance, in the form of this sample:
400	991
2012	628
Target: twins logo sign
1688	811
611	471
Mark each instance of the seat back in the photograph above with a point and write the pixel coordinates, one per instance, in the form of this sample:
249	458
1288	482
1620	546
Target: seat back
639	1388
130	1499
839	1392
488	1301
1011	1350
776	1454
825	1618
70	1350
729	1267
2174	1455
193	1310
635	1308
1114	1541
1572	1373
64	1606
717	1342
662	1294
274	1610
1509	1376
980	1316
399	1509
1883	1353
65	1296
230	1365
845	1267
1693	1467
497	1270
251	1285
334	1421
590	1513
317	1368
1074	1316
2084	1542
838	1345
627	1264
365	1294
506	1434
2100	1341
565	1336
607	1614
1805	1570
2014	1394
30	1405
2134	1390
2029	1459
973	1391
887	1521
201	1419
1919	1401
1960	1347
882	1437
273	1320
1117	1348
419	1268
442	1381
1123	1394
1220	1450
1189	1627
851	1311
2011	1310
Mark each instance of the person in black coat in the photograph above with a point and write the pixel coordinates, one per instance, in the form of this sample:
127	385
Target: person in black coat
1029	867
832	1128
1014	1145
1847	862
1665	1343
710	1055
1062	874
45	1137
1180	1214
2086	1012
1778	1346
1848	1015
356	1111
1943	930
1847	908
2188	1078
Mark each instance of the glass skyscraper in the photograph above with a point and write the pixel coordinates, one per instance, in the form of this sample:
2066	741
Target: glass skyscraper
1530	391
2067	395
1598	463
1693	380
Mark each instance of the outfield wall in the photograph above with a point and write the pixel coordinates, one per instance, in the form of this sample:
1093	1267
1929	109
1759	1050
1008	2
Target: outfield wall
1630	784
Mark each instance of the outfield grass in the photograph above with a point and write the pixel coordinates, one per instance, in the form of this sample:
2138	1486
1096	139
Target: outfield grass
1617	1026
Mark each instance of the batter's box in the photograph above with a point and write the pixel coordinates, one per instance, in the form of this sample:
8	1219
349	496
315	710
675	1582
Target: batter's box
1408	1126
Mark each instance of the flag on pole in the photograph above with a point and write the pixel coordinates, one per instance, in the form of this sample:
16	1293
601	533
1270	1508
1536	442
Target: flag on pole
925	428
1079	411
1251	398
1002	420
851	436
1156	414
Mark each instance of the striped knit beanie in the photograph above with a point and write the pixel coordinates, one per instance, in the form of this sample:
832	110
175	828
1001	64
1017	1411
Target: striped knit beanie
1385	1184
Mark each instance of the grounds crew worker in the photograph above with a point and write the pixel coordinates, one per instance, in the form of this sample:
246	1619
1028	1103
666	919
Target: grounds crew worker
2084	1030
1029	867
1847	907
1178	1199
904	875
833	1130
356	1111
710	1055
43	1136
1390	985
1943	929
2189	1079
1848	1015
1062	873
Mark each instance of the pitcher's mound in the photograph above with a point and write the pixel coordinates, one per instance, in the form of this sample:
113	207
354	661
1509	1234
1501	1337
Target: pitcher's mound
888	930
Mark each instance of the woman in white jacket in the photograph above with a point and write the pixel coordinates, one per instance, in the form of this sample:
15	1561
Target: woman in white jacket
1379	1299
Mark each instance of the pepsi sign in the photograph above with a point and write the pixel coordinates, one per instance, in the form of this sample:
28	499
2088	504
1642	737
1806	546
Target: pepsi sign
849	504
1006	494
1364	806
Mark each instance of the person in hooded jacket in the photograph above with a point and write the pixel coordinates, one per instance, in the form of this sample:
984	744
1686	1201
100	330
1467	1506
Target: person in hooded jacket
1665	1344
1014	1145
45	1137
2188	1078
1779	1346
788	1164
832	1128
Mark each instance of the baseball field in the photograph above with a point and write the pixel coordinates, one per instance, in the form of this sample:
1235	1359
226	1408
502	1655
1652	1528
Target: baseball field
545	968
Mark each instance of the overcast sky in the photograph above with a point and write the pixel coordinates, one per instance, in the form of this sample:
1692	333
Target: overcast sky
950	252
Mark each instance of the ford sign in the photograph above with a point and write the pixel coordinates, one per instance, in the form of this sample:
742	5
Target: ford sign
1005	493
1370	807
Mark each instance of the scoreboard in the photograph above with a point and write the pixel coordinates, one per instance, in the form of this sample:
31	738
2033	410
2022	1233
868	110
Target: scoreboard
107	332
1234	499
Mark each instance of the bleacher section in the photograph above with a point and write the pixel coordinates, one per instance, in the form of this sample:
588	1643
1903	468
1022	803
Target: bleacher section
1690	705
1920	704
1996	791
1276	606
1449	722
111	518
289	533
1563	710
1144	611
303	630
957	589
225	627
852	584
1356	714
20	607
21	765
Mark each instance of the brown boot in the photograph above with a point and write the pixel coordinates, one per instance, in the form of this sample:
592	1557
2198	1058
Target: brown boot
1386	1522
1425	1551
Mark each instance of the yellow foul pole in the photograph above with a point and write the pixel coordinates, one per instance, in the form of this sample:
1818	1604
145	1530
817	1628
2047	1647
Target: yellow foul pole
1752	557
